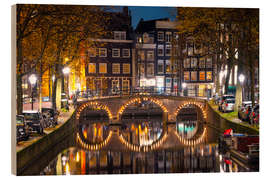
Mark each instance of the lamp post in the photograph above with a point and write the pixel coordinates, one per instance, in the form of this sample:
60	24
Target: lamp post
242	79
32	80
184	85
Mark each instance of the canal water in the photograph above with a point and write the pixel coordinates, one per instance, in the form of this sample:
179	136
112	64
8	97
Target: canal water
143	129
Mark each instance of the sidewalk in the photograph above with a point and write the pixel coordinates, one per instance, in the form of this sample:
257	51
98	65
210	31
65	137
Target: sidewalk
63	117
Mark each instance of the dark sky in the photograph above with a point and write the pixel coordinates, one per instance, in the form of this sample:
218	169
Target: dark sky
148	13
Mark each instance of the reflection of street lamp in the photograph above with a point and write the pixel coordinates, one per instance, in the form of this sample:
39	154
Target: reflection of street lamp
32	80
242	79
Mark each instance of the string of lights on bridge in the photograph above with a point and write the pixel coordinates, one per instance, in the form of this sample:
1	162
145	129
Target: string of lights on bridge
193	142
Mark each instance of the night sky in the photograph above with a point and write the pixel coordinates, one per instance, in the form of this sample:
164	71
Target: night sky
149	13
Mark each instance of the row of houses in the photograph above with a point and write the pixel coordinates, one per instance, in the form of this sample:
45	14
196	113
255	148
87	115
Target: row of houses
147	57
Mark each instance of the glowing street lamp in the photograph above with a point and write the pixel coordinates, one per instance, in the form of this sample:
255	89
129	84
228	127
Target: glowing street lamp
32	80
66	70
242	79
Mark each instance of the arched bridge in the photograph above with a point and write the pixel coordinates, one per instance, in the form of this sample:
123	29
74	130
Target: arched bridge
115	106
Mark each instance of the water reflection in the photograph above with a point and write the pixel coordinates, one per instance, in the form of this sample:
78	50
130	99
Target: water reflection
79	161
94	132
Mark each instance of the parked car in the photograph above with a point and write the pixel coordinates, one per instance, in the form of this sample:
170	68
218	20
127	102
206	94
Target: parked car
228	105
222	99
34	121
244	111
22	133
254	112
50	117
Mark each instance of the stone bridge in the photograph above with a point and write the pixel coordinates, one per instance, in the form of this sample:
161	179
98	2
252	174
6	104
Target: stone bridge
115	106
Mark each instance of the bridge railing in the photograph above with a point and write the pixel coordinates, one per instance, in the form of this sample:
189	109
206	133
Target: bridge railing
128	92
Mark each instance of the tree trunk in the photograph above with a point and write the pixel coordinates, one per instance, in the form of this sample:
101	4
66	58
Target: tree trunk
19	94
228	76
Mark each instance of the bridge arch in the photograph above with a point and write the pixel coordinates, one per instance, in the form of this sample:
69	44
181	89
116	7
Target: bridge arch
98	106
192	103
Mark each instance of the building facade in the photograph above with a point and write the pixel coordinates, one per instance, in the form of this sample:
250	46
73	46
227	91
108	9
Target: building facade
154	53
109	64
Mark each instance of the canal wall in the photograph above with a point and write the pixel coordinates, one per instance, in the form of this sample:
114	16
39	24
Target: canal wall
220	123
32	159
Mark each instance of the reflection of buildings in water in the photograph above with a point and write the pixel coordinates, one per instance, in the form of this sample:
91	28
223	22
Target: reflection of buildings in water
187	129
78	161
95	132
142	133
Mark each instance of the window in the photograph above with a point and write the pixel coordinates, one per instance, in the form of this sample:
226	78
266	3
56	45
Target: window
208	63
150	55
160	68
190	49
160	50
198	49
103	68
193	62
115	68
150	69
168	67
92	68
168	50
126	68
120	35
115	86
141	69
160	36
175	35
186	76
115	52
193	75
92	52
102	52
126	53
141	55
202	76
209	75
168	36
202	63
187	63
125	86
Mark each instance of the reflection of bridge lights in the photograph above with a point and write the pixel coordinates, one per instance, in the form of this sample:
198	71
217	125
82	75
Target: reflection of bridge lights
191	142
94	146
77	157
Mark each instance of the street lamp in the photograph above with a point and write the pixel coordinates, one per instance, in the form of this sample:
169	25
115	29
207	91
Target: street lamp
66	71
242	79
184	85
32	80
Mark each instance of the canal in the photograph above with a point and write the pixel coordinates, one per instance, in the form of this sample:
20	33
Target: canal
190	145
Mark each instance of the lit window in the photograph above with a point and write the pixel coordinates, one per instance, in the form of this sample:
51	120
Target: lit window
190	49
150	69
126	68
193	62
115	52
168	36
160	36
209	75
186	76
150	55
115	68
202	76
92	68
193	75
103	68
126	53
202	63
141	55
160	68
141	69
187	63
208	63
168	51
119	35
168	67
160	50
102	52
92	52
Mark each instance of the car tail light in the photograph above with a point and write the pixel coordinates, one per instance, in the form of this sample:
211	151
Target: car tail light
226	105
